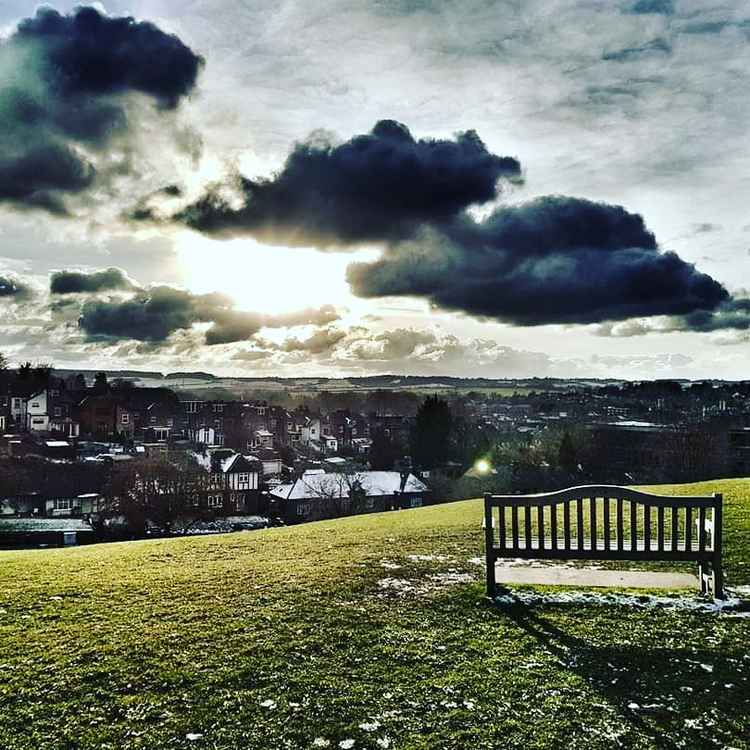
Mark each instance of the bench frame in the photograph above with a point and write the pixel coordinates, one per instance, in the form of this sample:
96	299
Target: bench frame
623	524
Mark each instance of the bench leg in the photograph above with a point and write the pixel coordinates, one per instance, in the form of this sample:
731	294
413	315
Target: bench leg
718	580
702	578
491	585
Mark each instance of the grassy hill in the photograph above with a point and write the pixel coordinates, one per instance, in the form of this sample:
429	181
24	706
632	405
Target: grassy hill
366	632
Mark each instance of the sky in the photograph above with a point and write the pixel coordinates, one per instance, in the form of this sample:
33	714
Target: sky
471	188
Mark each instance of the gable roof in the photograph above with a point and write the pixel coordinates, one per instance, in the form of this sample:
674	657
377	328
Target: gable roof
337	485
239	463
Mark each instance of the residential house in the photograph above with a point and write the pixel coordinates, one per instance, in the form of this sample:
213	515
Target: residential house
51	410
317	495
105	415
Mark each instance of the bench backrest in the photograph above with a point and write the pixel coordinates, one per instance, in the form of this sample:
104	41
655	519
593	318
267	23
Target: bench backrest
605	522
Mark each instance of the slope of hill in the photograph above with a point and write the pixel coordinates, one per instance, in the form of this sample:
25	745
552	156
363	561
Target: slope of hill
367	632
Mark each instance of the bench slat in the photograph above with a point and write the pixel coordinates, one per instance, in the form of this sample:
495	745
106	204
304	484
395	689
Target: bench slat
702	529
633	524
540	524
579	521
514	526
675	527
620	531
647	526
660	529
553	525
607	529
592	519
688	528
527	526
566	524
501	525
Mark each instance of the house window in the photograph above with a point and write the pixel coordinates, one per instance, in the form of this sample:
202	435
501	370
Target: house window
37	420
243	478
57	411
62	503
215	501
303	509
35	405
369	503
125	418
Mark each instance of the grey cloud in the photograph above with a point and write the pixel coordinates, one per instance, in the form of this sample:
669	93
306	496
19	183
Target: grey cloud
14	289
553	260
61	98
661	7
317	343
373	187
77	282
659	46
161	311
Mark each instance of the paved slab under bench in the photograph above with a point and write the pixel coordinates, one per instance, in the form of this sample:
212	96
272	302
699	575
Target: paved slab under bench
551	575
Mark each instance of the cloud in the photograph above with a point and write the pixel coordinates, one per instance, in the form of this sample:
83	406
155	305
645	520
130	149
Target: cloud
661	7
731	315
705	227
553	260
658	46
317	343
159	312
77	282
13	289
65	79
373	187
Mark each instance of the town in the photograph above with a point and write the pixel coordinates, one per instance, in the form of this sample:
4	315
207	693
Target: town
86	457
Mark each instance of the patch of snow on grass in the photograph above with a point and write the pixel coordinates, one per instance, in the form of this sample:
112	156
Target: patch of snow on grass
577	598
429	558
269	704
369	726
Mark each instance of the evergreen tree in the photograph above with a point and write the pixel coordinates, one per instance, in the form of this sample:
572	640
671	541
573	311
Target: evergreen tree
430	439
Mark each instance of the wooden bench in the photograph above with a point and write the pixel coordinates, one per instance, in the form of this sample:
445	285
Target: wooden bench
606	522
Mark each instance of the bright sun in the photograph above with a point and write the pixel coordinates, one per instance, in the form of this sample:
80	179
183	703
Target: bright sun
263	278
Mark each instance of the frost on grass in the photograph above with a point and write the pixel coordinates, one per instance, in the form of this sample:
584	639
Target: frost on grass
424	586
578	598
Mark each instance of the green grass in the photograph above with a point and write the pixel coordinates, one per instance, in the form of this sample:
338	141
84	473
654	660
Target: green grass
279	638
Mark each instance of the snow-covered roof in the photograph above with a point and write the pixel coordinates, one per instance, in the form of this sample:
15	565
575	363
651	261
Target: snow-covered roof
374	483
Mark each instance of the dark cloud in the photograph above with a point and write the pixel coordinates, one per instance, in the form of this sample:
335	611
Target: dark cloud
12	288
662	7
87	53
553	260
156	314
378	186
62	87
76	282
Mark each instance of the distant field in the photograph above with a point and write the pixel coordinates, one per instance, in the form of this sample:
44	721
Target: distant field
366	632
247	388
